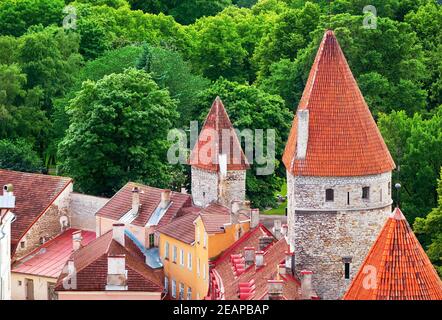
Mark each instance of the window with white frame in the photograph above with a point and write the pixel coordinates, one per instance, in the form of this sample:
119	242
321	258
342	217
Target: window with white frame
181	291
189	293
182	257
204	271
197	235
189	261
166	250
174	254
205	240
198	267
173	288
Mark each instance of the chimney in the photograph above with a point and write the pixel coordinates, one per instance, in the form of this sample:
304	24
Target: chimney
281	269
302	141
234	211
76	240
277	229
249	256
165	198
275	289
254	218
285	230
289	262
118	232
183	190
264	242
135	201
7	200
259	259
116	272
306	284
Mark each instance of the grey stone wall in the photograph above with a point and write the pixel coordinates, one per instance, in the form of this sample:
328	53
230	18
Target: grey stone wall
82	209
323	233
207	187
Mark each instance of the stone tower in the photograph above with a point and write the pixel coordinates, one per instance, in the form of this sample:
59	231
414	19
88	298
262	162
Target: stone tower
338	175
218	162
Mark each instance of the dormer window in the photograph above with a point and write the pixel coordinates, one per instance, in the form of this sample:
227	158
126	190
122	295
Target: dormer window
366	193
329	195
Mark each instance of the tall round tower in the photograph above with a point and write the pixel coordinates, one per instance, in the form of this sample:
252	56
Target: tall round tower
338	175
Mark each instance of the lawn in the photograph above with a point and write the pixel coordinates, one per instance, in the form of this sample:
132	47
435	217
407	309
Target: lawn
279	210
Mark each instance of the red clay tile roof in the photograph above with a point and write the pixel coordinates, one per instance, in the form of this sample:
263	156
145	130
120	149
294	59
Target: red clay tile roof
91	266
49	259
34	194
215	216
150	197
217	122
228	282
181	228
343	139
399	265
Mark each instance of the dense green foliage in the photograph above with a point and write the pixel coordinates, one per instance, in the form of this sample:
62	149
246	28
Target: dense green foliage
103	94
18	155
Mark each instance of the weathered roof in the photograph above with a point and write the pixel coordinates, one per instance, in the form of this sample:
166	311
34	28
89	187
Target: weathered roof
228	282
212	138
181	228
49	259
91	266
343	139
34	195
396	267
150	198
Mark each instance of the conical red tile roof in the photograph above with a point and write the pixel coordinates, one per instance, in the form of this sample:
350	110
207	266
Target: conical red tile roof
396	268
216	125
343	139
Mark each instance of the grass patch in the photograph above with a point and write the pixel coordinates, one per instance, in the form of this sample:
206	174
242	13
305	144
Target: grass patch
279	210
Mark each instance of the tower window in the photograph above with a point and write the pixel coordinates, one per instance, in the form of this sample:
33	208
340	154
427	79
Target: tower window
389	188
329	195
380	195
366	193
347	270
348	198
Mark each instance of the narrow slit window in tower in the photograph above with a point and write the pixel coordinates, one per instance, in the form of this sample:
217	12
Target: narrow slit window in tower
366	193
329	195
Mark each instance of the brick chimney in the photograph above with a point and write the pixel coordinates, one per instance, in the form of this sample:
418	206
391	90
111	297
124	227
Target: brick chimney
254	218
249	256
76	240
165	198
135	201
306	285
118	232
116	272
275	289
259	259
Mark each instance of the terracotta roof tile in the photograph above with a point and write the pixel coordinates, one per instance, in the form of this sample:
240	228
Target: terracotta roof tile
343	139
49	259
150	197
217	122
91	266
181	228
396	267
34	194
228	282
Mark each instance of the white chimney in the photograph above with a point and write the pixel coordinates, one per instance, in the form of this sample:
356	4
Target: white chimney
306	285
275	289
234	214
281	269
116	272
223	164
277	228
118	232
302	133
254	218
7	200
249	256
259	259
76	240
183	190
165	198
289	261
135	201
285	230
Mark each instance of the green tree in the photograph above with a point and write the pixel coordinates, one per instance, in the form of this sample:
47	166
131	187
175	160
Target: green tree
187	11
17	16
431	227
171	72
118	131
251	108
18	155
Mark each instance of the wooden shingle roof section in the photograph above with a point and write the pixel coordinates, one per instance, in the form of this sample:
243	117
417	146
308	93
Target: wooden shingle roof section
343	139
396	267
